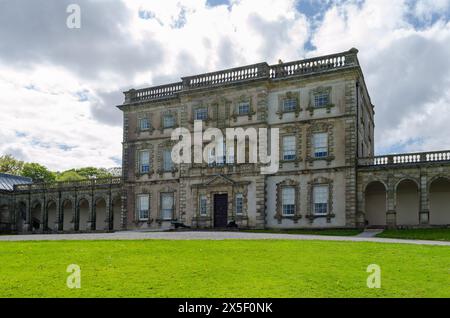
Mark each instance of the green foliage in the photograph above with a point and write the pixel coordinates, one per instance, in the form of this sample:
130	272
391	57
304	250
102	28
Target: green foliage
37	172
10	165
69	175
229	268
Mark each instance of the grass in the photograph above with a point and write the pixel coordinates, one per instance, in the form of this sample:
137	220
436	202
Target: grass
230	268
332	232
418	234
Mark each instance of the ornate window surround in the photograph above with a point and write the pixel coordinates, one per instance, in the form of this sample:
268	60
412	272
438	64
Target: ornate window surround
242	99
279	212
167	144
168	112
320	181
147	116
208	112
286	96
167	189
141	147
137	220
317	91
291	131
320	127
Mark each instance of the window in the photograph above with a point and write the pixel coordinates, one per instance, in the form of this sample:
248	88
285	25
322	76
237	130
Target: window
167	160
321	99
167	206
244	108
168	121
320	142
144	161
143	206
289	105
144	124
288	201
202	205
201	114
239	203
221	154
289	148
320	200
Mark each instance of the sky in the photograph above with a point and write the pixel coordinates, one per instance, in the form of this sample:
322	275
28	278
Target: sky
59	86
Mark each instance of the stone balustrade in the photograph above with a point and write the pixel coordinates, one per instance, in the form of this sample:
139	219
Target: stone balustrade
409	158
88	183
245	74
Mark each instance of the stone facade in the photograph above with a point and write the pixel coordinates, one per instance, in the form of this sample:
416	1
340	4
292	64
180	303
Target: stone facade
328	176
325	96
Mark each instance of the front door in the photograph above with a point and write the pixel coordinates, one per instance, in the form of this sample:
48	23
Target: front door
220	210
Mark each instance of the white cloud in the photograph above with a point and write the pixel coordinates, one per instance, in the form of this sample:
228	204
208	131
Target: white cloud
47	70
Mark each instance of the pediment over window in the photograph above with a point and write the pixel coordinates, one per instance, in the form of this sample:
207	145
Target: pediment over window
219	180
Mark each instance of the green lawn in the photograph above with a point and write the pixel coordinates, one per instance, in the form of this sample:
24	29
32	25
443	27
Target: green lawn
332	232
231	268
418	234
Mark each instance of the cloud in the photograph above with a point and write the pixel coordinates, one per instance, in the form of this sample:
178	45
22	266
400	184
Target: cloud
60	86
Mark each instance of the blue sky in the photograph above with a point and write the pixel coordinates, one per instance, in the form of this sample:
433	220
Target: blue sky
60	86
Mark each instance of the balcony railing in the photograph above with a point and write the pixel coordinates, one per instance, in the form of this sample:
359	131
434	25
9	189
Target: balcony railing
244	74
409	158
88	183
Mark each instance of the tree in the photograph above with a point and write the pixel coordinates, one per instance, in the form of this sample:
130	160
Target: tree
92	172
37	172
9	164
69	175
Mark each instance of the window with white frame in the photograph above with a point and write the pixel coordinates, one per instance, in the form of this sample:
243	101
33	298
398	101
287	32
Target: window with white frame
221	153
201	113
167	160
320	144
230	153
167	206
289	148
144	161
239	203
144	124
168	121
202	202
244	108
143	204
320	199
288	200
289	105
321	99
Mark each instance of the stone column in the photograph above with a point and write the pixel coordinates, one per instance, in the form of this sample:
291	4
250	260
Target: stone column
43	215
27	224
90	226
391	215
109	225
59	215
124	210
424	212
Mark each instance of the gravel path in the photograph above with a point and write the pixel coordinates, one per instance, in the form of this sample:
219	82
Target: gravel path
205	235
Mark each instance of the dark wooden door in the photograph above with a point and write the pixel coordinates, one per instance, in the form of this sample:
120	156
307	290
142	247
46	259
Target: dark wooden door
220	210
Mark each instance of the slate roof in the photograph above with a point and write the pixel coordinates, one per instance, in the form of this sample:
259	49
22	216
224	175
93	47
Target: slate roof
8	181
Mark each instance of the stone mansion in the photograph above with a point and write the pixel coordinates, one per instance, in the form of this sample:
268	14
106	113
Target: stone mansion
328	175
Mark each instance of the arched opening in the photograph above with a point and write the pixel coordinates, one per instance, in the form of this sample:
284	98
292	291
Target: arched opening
67	212
52	219
440	202
5	220
21	216
84	215
36	216
117	213
408	203
375	197
100	215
